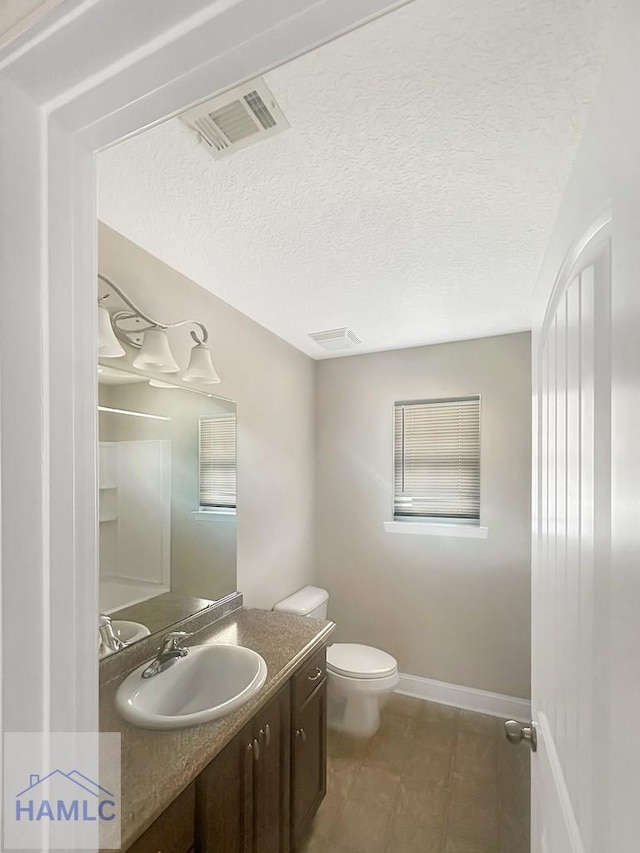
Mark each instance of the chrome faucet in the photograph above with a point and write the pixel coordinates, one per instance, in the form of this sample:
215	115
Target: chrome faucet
107	637
168	653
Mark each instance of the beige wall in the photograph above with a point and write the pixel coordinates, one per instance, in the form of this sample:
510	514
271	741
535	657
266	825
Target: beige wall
273	385
456	610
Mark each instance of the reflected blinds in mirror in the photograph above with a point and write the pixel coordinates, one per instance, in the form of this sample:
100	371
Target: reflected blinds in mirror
217	459
437	459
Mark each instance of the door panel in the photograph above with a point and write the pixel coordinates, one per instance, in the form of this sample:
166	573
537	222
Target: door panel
271	769
173	831
309	759
224	799
569	596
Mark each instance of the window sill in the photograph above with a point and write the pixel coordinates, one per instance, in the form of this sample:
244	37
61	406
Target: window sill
214	514
428	528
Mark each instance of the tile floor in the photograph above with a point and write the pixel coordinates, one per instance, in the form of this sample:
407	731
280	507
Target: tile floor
432	780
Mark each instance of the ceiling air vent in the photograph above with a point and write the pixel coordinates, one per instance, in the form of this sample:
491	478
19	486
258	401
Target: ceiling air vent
336	339
237	119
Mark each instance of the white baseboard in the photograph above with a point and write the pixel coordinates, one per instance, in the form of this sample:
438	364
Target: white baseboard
467	698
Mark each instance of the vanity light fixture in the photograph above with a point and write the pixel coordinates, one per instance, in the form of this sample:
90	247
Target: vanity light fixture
138	330
200	366
155	353
108	345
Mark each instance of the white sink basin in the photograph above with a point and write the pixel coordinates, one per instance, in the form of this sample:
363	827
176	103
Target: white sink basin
210	682
128	632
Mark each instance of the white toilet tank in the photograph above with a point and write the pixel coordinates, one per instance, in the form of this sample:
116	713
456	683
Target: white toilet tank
309	601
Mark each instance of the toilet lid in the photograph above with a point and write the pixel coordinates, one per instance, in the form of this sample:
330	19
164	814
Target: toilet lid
356	661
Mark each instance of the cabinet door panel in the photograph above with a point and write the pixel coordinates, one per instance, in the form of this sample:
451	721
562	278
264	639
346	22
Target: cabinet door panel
271	776
309	760
224	806
173	830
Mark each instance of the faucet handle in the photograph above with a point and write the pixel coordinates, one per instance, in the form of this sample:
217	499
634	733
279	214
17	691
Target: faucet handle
171	641
107	636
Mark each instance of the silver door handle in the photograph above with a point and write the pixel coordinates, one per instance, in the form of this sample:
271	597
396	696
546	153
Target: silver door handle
516	733
316	675
256	749
302	735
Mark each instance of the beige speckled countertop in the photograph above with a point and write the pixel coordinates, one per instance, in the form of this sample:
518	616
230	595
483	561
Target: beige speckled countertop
158	765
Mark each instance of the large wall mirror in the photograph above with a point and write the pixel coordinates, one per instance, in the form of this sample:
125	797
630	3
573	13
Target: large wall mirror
167	502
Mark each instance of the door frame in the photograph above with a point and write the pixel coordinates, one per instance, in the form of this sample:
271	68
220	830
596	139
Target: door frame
85	77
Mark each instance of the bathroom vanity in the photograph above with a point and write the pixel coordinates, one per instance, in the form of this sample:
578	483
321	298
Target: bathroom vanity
263	790
250	782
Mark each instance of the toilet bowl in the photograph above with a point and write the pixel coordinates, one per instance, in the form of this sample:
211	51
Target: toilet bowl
360	678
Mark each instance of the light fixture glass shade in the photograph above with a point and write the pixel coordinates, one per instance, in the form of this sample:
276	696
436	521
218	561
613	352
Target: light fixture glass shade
201	369
156	353
108	345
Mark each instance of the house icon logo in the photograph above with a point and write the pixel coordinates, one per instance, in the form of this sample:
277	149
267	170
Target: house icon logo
61	791
64	797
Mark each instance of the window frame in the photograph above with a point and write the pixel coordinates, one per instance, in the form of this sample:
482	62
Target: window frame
205	510
435	524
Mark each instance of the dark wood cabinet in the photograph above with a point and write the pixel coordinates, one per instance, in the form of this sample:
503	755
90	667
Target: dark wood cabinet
272	776
259	795
309	748
243	795
224	799
173	831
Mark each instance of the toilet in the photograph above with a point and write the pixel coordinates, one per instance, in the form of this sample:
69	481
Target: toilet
361	678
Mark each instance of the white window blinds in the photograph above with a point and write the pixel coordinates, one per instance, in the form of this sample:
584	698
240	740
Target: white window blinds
437	459
217	459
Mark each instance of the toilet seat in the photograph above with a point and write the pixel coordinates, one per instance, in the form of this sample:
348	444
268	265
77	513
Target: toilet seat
353	660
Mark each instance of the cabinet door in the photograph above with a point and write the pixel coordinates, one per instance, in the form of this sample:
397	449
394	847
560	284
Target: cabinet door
172	832
271	776
224	803
308	760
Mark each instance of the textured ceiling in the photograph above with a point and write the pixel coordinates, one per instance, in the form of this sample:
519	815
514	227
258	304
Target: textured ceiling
413	196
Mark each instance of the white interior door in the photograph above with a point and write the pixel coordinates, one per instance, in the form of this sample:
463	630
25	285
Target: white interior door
571	546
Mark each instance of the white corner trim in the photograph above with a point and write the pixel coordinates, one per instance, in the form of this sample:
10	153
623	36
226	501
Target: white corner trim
467	698
427	528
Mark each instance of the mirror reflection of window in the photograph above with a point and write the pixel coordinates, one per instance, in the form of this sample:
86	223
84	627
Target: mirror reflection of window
217	463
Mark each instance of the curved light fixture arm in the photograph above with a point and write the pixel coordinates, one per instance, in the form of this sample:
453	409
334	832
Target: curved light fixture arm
129	335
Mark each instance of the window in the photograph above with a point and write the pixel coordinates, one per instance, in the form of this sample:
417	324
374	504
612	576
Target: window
217	461
437	460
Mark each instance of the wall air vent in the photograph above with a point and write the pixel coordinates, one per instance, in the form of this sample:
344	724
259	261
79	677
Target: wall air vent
336	339
238	118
